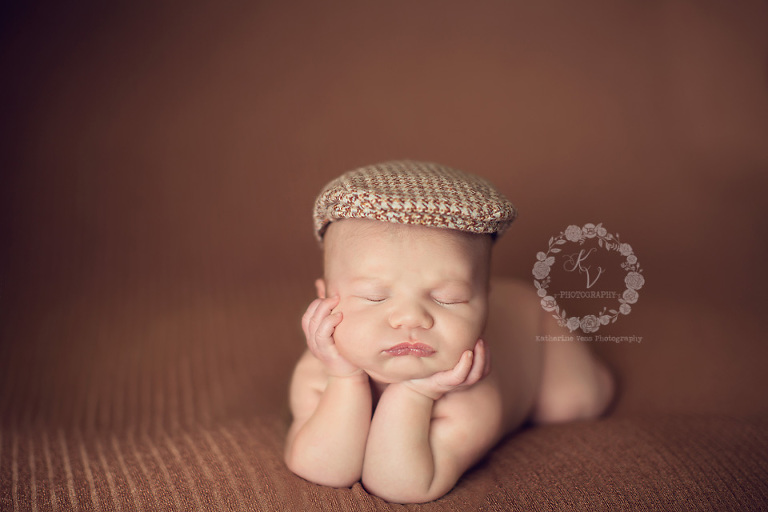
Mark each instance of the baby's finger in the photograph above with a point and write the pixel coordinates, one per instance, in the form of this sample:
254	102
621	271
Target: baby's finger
321	342
312	307
308	314
324	334
461	370
478	364
323	310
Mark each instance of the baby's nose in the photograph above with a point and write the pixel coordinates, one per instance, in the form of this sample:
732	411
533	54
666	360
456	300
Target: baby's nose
411	315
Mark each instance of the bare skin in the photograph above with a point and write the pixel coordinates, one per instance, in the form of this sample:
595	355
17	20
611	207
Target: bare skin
396	388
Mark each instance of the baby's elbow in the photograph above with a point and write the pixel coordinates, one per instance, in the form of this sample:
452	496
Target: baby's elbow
320	474
402	494
403	497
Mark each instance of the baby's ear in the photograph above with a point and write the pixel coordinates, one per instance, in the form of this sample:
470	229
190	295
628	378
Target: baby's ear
320	287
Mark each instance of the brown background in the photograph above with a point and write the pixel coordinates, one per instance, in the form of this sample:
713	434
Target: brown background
159	165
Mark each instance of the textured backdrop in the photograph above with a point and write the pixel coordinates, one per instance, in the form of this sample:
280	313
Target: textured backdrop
158	165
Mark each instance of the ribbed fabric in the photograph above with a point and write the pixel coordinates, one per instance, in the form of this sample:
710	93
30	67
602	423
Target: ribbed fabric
661	463
178	402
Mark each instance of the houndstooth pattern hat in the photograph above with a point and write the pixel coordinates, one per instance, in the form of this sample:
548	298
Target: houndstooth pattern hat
410	192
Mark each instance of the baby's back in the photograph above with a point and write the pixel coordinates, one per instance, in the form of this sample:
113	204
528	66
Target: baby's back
514	320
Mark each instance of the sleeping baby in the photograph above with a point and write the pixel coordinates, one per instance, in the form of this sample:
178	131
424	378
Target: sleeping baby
395	388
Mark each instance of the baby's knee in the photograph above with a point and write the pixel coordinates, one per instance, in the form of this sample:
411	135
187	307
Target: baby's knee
566	405
582	400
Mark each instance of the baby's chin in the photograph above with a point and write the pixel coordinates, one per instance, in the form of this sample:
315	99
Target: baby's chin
394	378
397	370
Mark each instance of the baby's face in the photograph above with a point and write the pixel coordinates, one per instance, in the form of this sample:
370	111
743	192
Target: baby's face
413	298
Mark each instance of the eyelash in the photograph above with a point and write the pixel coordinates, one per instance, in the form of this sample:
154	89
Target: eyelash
448	303
438	301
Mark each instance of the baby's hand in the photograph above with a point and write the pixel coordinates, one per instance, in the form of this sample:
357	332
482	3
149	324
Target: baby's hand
471	368
319	325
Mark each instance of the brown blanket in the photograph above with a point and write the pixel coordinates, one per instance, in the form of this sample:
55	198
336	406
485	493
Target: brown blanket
157	171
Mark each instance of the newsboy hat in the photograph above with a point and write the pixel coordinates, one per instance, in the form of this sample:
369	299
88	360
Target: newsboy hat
410	192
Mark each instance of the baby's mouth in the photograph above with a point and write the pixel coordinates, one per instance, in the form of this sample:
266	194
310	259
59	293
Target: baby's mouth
411	349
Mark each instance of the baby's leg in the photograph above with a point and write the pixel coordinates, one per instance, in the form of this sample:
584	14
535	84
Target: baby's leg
549	381
574	384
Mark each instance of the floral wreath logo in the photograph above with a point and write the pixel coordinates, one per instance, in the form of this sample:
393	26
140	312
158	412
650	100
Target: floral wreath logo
634	279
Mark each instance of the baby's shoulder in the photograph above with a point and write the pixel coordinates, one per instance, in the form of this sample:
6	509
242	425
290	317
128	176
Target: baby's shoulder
476	413
513	298
505	289
481	403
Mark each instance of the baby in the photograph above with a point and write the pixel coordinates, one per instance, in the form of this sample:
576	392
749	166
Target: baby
395	388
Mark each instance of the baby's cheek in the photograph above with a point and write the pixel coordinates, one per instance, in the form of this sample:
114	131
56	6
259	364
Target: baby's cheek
340	335
466	337
343	336
475	328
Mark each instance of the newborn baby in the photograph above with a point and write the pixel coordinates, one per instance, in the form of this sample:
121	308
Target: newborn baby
395	387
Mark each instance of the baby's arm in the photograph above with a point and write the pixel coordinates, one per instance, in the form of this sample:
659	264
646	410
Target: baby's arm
326	442
411	456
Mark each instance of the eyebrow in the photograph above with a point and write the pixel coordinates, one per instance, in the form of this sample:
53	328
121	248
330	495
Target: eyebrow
455	285
368	283
365	279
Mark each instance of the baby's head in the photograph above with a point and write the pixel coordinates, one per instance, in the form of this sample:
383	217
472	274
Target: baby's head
407	249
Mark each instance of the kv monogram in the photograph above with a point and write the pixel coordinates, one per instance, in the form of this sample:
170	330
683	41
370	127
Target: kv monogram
583	261
575	260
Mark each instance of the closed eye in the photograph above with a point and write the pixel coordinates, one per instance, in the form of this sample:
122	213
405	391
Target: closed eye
448	302
374	299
